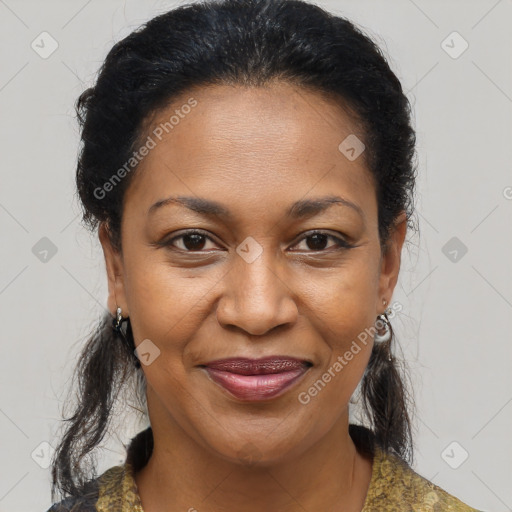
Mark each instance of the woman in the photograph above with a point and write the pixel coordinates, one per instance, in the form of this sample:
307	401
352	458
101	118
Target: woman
249	167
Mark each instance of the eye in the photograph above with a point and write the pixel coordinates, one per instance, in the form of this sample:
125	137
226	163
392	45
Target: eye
195	241
191	241
318	239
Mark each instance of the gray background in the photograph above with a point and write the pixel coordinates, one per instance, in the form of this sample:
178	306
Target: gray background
455	326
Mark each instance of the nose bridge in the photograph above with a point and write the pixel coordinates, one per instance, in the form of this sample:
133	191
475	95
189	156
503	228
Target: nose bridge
257	299
259	277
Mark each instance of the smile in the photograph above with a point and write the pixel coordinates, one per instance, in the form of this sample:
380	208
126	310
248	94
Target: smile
254	380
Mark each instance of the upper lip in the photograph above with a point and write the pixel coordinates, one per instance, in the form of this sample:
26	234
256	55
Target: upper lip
266	365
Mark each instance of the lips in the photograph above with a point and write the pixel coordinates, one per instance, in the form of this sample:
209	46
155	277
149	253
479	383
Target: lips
257	379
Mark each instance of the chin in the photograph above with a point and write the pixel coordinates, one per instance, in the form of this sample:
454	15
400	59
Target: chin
258	453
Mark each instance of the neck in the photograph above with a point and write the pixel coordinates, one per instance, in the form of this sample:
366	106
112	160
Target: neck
182	475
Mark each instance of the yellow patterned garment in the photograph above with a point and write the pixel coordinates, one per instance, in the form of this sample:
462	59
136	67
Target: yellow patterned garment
394	486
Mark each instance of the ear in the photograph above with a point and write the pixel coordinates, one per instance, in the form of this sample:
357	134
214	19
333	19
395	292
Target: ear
390	259
115	273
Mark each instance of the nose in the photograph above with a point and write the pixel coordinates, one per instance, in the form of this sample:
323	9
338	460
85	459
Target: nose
256	298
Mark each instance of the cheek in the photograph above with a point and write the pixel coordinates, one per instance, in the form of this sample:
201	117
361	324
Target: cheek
164	300
344	314
169	308
343	301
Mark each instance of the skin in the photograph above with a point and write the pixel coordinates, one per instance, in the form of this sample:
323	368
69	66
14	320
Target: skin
256	151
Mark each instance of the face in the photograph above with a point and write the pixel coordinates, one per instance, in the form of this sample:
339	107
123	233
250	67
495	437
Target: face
261	273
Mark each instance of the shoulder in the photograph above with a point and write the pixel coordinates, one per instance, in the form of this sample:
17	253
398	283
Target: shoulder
91	493
85	502
396	486
73	504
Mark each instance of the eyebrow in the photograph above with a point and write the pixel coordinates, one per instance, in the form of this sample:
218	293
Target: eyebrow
303	208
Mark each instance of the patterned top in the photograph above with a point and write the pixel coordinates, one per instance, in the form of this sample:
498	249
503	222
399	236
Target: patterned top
394	485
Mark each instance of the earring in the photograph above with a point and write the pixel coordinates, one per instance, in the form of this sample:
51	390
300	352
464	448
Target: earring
383	326
116	325
116	322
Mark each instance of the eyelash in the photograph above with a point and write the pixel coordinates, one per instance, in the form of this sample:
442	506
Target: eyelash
341	244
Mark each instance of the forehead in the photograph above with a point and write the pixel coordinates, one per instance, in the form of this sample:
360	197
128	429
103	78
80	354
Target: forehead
250	147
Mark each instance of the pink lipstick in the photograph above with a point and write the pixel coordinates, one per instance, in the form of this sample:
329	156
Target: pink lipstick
257	379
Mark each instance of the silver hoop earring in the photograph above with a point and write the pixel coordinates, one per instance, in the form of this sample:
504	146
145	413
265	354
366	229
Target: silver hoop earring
383	326
382	336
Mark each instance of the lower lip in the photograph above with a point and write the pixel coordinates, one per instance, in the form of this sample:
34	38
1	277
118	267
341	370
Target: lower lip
256	387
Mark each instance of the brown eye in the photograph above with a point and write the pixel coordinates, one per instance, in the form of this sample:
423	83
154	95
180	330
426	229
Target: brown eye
192	241
195	241
318	240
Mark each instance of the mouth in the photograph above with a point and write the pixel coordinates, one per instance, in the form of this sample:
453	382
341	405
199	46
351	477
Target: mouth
257	379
